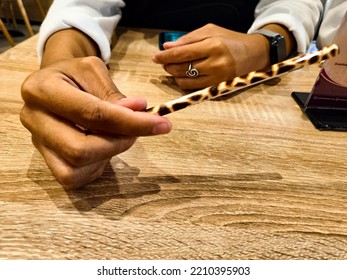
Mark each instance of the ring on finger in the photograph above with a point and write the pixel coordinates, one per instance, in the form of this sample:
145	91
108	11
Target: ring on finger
192	72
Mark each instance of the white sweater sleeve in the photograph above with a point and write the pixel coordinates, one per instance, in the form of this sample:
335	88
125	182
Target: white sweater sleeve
301	17
96	18
332	20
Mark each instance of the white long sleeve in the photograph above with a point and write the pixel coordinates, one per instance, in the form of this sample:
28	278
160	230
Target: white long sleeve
299	16
96	18
333	17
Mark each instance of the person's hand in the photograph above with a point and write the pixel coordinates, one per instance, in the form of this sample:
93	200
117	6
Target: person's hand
217	53
79	120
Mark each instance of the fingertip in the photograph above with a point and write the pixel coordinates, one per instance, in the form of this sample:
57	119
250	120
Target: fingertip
168	45
133	103
162	127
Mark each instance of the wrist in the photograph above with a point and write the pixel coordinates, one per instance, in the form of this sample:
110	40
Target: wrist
289	38
260	49
67	44
277	45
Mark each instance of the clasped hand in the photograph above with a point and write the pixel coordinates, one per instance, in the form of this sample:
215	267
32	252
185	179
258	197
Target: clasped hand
218	54
79	120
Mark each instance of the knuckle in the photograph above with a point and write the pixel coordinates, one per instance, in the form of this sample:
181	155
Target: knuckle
67	178
174	52
101	75
90	61
29	87
78	154
218	46
73	178
36	86
209	26
24	116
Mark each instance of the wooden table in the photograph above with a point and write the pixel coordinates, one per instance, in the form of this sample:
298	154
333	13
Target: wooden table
247	177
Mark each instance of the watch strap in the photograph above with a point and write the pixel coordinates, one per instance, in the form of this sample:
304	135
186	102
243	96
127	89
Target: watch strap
277	45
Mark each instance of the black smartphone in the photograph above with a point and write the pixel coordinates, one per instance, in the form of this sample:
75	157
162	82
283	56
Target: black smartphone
169	36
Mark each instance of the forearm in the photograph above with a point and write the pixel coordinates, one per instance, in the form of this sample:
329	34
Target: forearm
96	19
68	43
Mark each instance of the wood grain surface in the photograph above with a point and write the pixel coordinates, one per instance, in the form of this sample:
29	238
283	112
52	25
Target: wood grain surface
245	177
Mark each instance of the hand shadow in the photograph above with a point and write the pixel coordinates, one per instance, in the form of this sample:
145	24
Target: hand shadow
113	184
119	181
121	188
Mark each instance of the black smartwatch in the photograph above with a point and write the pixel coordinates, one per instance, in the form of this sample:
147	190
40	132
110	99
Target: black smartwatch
277	45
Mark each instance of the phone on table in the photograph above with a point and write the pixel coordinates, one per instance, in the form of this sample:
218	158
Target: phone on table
169	36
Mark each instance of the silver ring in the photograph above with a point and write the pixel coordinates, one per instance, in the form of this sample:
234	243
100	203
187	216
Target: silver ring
192	72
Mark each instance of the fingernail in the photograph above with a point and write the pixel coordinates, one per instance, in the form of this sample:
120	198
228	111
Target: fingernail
162	128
